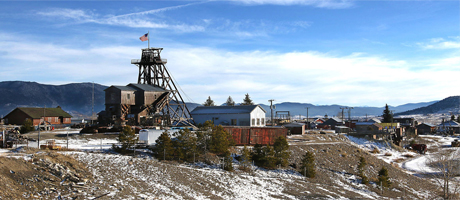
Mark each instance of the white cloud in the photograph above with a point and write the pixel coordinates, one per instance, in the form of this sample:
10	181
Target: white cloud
311	76
333	4
441	43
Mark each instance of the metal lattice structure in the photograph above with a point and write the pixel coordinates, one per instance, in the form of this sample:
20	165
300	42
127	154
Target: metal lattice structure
152	71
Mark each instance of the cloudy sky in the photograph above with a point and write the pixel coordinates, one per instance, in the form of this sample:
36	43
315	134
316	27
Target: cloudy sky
354	53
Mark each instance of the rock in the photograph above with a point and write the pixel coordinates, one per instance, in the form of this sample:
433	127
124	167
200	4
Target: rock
11	171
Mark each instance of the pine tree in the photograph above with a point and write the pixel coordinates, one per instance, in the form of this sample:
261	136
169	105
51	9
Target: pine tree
307	166
387	115
228	161
127	138
257	154
230	101
245	158
164	149
458	118
282	152
362	164
221	140
268	159
185	145
452	117
209	102
384	180
247	100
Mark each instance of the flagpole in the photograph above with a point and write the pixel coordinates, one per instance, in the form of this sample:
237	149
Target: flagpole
148	37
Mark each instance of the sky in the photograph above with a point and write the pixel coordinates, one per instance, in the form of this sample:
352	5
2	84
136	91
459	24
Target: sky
323	52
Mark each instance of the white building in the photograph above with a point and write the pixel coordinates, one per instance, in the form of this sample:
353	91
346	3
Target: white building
252	115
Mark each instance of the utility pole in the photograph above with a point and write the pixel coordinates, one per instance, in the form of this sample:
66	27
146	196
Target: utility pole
308	122
343	108
349	117
271	110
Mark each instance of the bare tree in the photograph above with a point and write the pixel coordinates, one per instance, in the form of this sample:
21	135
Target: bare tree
446	167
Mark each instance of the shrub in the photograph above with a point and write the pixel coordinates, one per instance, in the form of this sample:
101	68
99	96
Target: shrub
362	163
127	138
27	126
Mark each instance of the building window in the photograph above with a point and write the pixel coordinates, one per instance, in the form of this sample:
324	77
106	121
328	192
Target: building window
262	121
233	122
253	122
258	122
128	96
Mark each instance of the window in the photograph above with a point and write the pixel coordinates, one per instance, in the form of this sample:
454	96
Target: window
253	122
258	122
233	122
128	96
262	120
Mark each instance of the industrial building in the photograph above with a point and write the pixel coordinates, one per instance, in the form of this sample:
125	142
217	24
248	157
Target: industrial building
52	116
251	115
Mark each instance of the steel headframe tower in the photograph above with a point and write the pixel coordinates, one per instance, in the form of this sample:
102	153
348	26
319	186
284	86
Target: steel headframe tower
152	71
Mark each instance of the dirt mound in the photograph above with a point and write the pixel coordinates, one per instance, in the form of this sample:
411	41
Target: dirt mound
41	174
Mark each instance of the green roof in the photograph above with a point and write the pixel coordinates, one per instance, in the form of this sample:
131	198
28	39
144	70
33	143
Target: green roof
36	113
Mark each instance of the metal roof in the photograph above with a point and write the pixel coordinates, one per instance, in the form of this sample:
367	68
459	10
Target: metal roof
202	110
122	88
146	87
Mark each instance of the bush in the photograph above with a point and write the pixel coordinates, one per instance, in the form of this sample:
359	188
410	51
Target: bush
163	148
27	126
228	161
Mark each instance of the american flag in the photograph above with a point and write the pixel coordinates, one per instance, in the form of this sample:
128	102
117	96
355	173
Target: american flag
145	37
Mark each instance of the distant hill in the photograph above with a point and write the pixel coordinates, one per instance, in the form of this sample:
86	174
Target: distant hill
449	104
75	98
334	110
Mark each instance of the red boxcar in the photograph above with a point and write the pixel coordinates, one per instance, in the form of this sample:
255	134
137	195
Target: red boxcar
245	135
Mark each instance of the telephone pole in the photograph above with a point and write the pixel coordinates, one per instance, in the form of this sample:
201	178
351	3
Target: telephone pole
349	117
308	122
343	108
271	110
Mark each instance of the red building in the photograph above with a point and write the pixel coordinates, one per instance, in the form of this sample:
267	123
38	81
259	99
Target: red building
37	115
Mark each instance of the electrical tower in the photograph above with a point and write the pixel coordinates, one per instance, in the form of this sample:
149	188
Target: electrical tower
152	71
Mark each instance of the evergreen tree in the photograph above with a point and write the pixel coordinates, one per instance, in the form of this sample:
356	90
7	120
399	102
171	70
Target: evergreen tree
362	164
185	145
387	115
247	100
27	126
228	161
452	117
458	118
257	154
221	140
307	166
127	138
268	159
384	180
164	149
209	102
282	153
230	101
245	158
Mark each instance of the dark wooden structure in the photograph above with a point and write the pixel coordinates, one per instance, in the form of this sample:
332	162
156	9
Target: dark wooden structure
52	116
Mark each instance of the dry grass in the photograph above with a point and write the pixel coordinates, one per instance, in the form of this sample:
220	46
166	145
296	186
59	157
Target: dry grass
375	150
408	155
399	160
388	154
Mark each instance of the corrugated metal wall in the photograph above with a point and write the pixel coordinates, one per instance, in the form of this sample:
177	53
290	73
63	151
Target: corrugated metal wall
243	135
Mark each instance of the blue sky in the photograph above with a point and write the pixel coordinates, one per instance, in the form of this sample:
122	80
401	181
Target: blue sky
355	53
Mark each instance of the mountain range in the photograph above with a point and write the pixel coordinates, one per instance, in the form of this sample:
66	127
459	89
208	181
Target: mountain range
76	98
